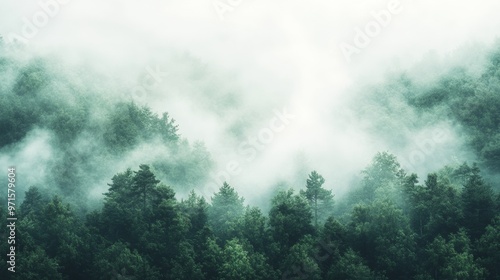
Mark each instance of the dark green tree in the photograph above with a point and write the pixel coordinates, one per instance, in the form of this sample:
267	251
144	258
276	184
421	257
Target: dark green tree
211	259
254	228
120	219
143	186
382	179
167	230
195	208
351	266
300	263
434	208
119	262
453	259
225	213
488	249
236	262
478	204
33	202
290	220
60	232
128	124
320	199
382	235
333	241
36	265
184	265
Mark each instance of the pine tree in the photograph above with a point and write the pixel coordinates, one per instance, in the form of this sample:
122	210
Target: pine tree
225	213
144	184
321	200
478	204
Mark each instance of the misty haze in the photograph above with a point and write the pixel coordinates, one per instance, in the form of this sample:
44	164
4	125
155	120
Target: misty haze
247	139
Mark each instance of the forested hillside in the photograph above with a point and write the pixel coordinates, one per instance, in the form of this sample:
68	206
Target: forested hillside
87	128
463	96
391	224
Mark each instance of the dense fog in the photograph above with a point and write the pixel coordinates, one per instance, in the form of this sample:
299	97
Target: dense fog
253	94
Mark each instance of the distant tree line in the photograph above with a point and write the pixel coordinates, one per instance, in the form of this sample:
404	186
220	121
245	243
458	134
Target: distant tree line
467	99
86	126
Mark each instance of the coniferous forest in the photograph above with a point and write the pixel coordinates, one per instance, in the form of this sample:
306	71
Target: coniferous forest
100	179
391	224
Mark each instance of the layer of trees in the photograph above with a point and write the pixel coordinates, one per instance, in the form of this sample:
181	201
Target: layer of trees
462	95
389	227
88	122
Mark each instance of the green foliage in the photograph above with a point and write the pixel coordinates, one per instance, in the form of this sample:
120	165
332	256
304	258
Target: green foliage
50	229
33	203
188	166
225	212
472	102
300	263
36	265
333	241
392	227
382	179
119	219
184	265
350	267
488	249
434	208
465	98
143	185
143	232
195	208
382	235
290	218
119	262
320	199
453	259
130	124
236	262
211	259
478	204
254	228
84	124
31	79
17	117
